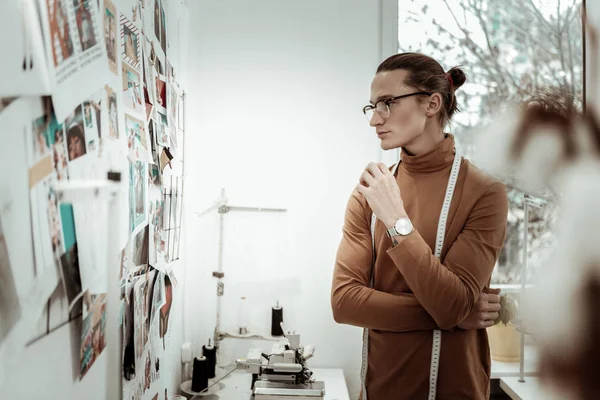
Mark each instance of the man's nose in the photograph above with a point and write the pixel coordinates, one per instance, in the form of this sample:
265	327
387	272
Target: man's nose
376	119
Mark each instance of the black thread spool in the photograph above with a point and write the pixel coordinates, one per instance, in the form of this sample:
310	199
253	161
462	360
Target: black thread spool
210	352
276	320
200	375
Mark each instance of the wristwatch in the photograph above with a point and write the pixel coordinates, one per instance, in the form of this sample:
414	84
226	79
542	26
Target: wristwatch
402	227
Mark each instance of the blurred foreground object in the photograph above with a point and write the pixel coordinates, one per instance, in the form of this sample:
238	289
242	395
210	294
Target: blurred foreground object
547	146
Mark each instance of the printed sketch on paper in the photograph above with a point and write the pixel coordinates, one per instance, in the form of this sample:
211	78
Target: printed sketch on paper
132	90
136	136
10	309
138	172
54	221
93	331
113	112
58	21
76	143
110	34
140	333
93	120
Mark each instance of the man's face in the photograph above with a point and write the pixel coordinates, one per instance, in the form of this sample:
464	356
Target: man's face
407	117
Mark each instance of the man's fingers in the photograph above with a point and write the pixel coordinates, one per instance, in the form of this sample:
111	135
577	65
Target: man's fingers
366	179
493	298
490	316
492	307
491	291
374	170
384	169
486	324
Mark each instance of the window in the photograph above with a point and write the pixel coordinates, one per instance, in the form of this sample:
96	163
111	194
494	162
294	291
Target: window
510	50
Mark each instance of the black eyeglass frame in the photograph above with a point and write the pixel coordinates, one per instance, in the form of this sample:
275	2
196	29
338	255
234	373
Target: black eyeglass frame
389	101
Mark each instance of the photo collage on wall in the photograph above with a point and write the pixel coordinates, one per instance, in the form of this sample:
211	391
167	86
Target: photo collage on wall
115	106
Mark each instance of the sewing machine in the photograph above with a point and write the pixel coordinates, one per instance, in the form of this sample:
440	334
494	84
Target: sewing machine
283	373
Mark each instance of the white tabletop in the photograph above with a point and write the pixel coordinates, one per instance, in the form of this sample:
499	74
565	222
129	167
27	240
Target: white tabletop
528	390
511	369
237	385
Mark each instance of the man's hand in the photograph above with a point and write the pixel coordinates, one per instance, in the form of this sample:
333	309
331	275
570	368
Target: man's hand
379	187
485	311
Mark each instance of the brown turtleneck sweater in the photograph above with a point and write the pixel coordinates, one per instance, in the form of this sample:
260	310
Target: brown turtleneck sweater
414	292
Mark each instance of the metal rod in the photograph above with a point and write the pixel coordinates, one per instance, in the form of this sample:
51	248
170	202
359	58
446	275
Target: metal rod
255	209
220	269
523	283
223	208
220	202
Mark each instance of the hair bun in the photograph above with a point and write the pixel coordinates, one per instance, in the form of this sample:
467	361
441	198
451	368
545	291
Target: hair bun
458	77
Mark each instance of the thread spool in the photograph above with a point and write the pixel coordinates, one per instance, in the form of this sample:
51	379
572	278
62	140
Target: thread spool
243	315
210	352
200	375
276	320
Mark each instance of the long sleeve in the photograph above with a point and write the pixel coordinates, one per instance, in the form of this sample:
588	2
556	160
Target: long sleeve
352	300
449	291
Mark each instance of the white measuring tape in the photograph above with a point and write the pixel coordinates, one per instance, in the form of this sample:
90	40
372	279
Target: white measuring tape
439	242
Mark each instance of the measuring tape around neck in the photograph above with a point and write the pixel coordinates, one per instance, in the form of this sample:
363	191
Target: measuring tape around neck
439	243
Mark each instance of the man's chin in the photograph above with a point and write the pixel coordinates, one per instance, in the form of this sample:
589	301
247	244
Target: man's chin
389	145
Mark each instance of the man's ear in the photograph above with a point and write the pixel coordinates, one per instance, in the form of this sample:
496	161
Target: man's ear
434	104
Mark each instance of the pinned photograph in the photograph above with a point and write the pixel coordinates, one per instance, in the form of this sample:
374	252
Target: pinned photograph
162	133
128	333
139	248
113	112
39	141
56	139
158	298
70	276
93	332
85	24
110	34
10	310
132	90
76	143
159	25
58	21
161	95
150	69
165	310
131	46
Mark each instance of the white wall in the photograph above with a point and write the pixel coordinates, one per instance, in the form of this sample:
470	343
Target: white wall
274	117
49	368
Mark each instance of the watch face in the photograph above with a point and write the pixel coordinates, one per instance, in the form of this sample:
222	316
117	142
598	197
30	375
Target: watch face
403	226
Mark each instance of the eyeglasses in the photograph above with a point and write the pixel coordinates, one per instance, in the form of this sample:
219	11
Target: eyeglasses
383	106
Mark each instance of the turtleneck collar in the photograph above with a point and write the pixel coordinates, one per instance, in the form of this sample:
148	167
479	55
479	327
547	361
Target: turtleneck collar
438	158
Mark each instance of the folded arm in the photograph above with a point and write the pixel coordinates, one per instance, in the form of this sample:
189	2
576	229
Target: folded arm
449	291
353	302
